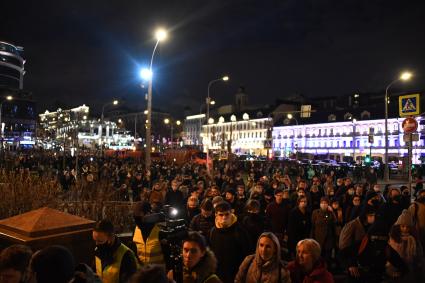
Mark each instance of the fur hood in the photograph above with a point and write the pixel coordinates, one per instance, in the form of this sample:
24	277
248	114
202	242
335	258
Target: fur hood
206	267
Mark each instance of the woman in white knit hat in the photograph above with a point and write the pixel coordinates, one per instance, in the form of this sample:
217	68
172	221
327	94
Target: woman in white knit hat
404	241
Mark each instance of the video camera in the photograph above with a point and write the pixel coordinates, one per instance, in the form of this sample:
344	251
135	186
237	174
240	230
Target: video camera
172	233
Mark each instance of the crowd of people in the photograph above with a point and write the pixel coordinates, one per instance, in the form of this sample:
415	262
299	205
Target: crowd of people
244	222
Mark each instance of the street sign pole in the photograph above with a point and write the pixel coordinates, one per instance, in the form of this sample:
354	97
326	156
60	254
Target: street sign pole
410	163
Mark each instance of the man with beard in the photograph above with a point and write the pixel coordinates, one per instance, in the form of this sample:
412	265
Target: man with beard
115	262
229	242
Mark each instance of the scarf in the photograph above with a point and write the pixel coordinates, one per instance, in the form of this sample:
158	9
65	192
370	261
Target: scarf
406	248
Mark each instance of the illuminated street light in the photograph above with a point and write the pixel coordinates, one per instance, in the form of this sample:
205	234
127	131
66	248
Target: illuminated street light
160	35
166	121
212	102
208	102
178	122
146	74
405	76
291	117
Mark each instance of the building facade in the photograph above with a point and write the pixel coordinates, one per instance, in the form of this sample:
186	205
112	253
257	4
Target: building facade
350	138
238	134
11	66
192	130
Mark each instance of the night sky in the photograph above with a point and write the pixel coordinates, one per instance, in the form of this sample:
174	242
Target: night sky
90	51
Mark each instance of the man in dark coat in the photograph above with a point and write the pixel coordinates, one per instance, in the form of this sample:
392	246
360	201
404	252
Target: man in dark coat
229	242
278	212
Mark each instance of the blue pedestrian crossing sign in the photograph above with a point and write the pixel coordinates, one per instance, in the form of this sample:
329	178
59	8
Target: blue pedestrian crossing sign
408	105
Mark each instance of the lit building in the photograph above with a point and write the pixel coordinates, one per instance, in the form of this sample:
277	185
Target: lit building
11	66
66	128
18	110
240	134
349	138
192	130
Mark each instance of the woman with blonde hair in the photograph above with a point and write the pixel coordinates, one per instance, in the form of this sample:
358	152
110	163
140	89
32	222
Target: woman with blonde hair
265	265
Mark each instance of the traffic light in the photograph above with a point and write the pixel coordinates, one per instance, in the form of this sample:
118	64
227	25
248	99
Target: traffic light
367	159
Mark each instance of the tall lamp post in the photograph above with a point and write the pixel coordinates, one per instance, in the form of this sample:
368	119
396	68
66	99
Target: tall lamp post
169	122
3	99
160	35
208	102
403	77
102	121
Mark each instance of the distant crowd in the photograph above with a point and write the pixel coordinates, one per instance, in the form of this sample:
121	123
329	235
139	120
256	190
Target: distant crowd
245	222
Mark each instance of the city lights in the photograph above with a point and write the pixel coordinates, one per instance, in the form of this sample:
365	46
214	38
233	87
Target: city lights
146	74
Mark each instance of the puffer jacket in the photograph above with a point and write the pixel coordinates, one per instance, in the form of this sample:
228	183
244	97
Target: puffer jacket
204	271
253	269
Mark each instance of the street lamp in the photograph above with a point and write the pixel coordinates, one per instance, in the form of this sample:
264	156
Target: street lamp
291	117
403	77
160	35
208	102
168	121
3	99
114	102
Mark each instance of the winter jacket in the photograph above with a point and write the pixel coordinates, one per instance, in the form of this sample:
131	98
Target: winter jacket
298	227
230	246
417	209
278	215
253	269
319	274
204	271
202	224
323	228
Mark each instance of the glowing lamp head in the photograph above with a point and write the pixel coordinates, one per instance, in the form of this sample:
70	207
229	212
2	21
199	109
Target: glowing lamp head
178	123
161	34
212	102
173	212
225	78
406	76
290	116
210	121
9	97
146	74
166	120
115	102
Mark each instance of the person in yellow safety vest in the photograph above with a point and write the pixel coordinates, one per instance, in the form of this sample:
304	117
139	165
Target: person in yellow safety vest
115	262
146	234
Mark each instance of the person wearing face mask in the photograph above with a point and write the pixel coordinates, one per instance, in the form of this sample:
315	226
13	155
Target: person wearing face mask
229	241
389	211
323	228
253	221
299	225
115	262
350	243
353	210
265	265
204	221
417	210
